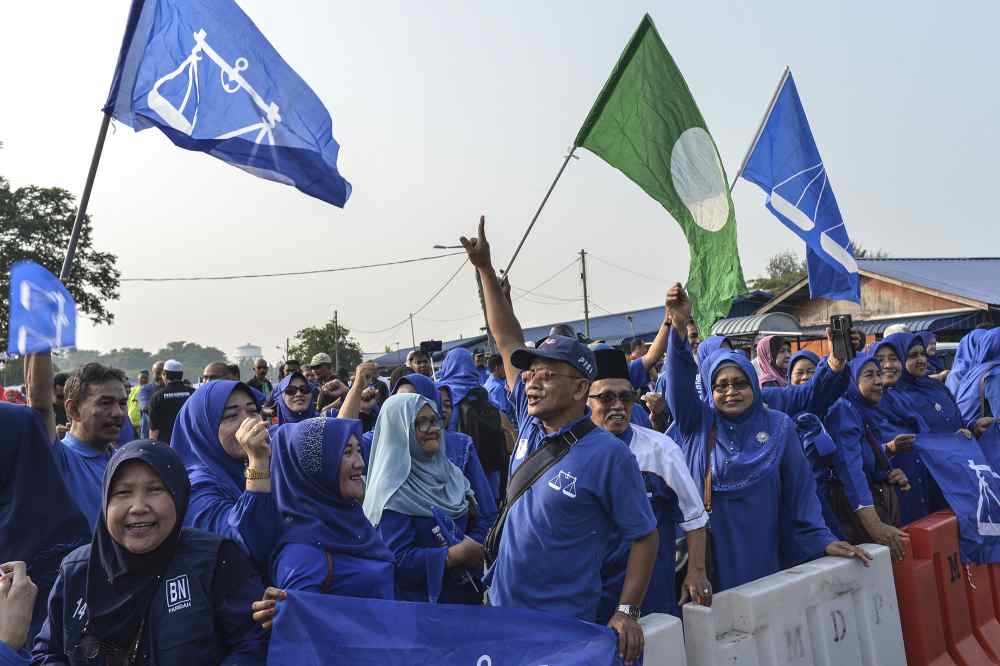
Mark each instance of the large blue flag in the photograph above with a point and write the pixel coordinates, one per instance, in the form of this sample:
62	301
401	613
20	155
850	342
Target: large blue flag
313	629
42	311
786	164
972	487
202	72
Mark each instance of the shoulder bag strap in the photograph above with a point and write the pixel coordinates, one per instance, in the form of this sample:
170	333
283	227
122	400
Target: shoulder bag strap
881	460
533	467
709	449
328	579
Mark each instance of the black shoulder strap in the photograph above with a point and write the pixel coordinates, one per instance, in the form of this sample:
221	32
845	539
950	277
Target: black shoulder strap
534	466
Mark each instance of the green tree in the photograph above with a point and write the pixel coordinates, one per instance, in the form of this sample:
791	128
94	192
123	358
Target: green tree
193	356
783	270
859	252
313	340
35	224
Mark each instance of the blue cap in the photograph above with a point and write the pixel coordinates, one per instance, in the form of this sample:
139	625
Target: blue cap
558	348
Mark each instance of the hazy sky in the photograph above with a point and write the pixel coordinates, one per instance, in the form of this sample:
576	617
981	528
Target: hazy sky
445	110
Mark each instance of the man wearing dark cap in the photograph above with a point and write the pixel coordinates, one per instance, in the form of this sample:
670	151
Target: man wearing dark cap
668	485
586	490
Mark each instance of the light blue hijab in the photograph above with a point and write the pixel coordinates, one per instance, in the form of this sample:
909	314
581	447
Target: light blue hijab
404	479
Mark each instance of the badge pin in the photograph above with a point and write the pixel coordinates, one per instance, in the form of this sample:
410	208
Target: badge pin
762	437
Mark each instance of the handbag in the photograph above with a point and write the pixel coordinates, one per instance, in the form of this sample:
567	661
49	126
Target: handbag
682	557
884	498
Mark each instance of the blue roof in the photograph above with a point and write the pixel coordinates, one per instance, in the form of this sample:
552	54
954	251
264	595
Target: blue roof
972	278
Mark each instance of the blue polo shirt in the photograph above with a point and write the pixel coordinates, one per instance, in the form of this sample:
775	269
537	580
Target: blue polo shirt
557	533
82	470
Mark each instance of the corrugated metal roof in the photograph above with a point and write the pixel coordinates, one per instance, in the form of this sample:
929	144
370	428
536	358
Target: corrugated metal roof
943	322
973	278
770	323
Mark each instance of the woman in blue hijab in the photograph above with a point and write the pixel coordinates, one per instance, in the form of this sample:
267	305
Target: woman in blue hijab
39	523
326	543
802	366
224	445
293	398
934	362
423	505
967	355
146	591
860	463
926	396
977	390
459	374
900	424
749	460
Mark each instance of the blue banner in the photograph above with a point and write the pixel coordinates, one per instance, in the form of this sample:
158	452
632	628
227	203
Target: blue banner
972	488
786	164
201	72
317	629
42	312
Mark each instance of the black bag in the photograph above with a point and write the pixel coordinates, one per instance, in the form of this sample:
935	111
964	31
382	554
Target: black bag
480	419
682	556
529	471
884	497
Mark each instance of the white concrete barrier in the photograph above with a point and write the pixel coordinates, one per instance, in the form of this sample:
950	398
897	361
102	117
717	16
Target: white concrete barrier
664	636
828	612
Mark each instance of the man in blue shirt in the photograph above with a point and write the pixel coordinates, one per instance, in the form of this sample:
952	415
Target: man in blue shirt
496	387
96	403
556	534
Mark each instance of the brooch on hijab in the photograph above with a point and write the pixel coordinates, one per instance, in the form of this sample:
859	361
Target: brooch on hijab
762	437
937	406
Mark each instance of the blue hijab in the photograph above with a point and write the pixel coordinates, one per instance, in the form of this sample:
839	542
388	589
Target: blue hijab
866	409
306	458
968	355
984	361
404	479
459	374
934	363
740	459
708	347
798	356
196	437
424	386
897	411
928	395
286	415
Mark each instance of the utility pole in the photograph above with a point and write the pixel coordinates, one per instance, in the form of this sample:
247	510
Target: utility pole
336	343
586	302
413	337
490	343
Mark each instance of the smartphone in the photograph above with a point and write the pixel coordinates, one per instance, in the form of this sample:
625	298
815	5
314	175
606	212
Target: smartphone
840	332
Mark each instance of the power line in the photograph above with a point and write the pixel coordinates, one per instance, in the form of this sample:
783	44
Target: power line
310	272
627	270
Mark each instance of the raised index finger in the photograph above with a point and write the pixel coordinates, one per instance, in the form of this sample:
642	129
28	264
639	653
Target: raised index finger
482	230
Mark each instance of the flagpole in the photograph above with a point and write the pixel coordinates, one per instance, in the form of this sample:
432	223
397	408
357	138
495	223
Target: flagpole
539	211
81	211
760	128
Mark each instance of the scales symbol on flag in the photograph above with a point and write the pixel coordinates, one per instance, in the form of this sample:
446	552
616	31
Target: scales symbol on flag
986	497
804	187
30	295
231	80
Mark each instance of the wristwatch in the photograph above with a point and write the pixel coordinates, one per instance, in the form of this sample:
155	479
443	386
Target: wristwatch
256	475
630	610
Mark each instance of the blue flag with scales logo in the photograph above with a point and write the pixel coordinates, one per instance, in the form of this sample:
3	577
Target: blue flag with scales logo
971	485
42	311
786	164
201	72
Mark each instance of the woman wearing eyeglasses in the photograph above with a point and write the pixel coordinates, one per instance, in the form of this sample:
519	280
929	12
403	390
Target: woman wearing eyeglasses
422	505
294	399
747	458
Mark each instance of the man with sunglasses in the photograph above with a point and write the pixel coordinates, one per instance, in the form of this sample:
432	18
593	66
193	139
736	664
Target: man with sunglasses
668	485
555	534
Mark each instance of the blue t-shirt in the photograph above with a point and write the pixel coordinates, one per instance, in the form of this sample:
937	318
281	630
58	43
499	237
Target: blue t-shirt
638	375
497	391
557	533
145	393
82	470
308	568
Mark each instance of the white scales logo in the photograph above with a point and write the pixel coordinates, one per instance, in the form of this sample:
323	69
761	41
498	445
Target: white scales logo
791	212
32	293
565	482
984	515
232	81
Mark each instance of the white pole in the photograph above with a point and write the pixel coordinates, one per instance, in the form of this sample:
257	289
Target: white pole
760	128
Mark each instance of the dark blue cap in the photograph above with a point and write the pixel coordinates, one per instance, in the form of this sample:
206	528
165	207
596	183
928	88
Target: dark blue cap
558	348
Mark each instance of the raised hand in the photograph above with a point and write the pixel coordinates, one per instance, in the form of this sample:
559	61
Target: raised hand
478	248
678	307
253	439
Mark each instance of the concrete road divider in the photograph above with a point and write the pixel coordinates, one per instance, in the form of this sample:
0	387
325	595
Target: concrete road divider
664	641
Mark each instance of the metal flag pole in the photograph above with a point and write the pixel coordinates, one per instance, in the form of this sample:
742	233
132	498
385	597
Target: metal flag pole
760	128
81	211
538	212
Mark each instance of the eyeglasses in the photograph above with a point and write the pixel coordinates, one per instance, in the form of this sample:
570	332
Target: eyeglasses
302	389
426	424
544	374
738	385
609	398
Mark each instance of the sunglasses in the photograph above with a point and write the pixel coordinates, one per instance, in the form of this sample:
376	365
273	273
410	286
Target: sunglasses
300	388
739	385
609	398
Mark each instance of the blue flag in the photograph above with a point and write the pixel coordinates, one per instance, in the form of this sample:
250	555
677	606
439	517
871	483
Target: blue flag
311	629
202	72
786	164
972	488
42	312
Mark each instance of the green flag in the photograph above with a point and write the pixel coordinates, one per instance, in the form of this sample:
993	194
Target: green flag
645	124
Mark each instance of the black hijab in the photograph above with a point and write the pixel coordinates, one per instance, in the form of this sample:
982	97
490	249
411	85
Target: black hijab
38	520
120	584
